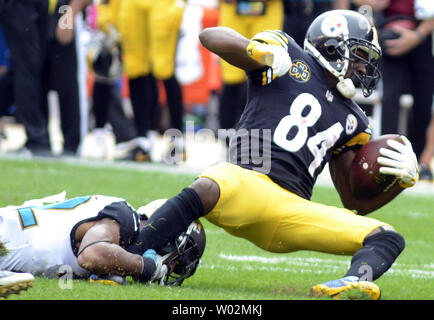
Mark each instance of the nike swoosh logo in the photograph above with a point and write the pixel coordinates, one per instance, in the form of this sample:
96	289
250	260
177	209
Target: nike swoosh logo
136	227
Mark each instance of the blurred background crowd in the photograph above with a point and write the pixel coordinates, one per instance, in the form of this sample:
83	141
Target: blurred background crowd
133	70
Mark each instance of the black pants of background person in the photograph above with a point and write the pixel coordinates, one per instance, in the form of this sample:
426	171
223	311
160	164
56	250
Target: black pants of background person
412	73
175	102
299	16
25	27
60	74
145	103
107	107
6	92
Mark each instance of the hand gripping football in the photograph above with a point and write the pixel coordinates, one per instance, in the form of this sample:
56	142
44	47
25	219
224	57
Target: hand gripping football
365	178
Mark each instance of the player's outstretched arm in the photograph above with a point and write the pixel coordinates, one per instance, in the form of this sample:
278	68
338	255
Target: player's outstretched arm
100	252
244	53
340	170
230	46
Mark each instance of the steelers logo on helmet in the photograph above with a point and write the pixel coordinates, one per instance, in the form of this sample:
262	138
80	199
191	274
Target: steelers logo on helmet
334	25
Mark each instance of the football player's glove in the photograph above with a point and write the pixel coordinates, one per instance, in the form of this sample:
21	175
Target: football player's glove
270	55
400	162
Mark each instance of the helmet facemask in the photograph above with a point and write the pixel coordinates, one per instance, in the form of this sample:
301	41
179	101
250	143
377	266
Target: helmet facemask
182	256
370	57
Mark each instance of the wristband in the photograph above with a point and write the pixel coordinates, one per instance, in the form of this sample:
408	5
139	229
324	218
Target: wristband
262	56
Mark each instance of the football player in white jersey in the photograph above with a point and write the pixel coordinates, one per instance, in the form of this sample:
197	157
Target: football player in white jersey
90	234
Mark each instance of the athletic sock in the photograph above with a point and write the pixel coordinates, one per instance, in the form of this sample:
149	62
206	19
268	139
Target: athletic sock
376	256
169	221
149	266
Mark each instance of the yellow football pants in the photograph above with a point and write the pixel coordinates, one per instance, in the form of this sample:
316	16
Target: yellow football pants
149	32
165	18
253	207
248	26
133	27
108	14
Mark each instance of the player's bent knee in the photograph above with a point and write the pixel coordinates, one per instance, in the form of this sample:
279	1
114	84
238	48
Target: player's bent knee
208	191
380	229
388	237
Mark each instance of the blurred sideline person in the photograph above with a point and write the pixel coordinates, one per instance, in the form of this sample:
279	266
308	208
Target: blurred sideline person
25	26
425	160
6	91
407	65
300	115
60	71
165	22
248	18
91	235
149	37
104	61
299	14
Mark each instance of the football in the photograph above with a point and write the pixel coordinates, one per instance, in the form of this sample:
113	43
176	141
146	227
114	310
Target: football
365	178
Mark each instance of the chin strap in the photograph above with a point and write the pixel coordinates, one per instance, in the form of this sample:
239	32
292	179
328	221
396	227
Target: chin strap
346	87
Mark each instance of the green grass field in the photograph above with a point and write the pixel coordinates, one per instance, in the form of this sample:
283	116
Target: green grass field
231	268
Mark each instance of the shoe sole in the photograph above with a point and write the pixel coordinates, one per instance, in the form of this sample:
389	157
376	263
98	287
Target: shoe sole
15	288
365	288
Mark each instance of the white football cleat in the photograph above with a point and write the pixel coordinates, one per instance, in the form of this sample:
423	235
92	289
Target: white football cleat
14	282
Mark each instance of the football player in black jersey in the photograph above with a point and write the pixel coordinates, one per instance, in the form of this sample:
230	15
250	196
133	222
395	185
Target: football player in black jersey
299	111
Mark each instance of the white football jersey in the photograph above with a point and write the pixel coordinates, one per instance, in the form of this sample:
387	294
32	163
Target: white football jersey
37	235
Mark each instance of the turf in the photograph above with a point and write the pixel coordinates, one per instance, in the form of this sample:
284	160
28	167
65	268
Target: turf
231	268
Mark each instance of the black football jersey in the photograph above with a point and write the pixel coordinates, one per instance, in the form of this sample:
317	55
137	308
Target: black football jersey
294	124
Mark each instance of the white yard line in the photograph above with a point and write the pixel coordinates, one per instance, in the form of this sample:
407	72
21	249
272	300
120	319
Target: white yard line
312	265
